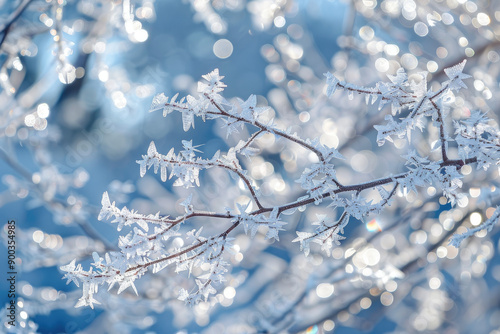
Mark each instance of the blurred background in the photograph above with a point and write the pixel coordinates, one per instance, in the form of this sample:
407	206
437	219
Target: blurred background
77	79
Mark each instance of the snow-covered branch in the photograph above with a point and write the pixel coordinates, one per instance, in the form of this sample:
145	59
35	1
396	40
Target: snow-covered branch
151	241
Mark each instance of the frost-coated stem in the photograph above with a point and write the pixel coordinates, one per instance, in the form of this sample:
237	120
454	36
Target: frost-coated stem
204	164
265	128
363	186
440	120
184	251
252	138
181	219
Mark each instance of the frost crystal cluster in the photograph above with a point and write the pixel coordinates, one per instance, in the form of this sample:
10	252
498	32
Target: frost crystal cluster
154	242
